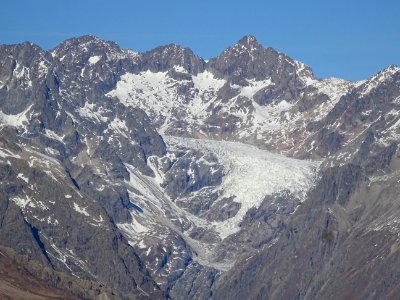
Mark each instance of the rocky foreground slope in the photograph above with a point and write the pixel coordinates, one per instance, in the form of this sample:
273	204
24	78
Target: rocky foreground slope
159	174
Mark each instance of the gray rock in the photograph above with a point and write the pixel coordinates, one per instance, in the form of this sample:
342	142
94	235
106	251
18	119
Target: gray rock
80	173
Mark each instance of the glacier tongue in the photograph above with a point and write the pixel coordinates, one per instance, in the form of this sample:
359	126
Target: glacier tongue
251	174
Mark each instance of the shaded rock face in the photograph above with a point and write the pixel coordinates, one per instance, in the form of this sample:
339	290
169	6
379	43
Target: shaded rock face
249	60
87	182
179	183
17	282
48	217
18	86
340	237
164	58
50	120
369	109
265	223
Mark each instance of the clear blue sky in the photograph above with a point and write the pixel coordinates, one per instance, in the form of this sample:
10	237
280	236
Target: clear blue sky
348	39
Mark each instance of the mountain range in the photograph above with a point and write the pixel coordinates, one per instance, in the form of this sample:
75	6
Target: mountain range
160	175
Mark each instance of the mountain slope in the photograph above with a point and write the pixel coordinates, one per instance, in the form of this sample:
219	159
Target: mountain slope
158	174
48	183
248	93
22	278
343	243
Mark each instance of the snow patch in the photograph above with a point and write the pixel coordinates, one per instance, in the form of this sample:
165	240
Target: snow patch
334	88
81	210
16	120
254	86
119	126
142	245
23	177
20	71
206	81
23	202
180	69
303	72
94	59
132	230
54	136
157	94
69	256
42	68
92	112
4	153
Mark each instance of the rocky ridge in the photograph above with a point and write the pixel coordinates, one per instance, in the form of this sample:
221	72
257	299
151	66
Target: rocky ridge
163	162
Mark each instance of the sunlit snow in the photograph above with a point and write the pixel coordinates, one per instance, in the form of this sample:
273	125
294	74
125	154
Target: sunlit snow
94	59
251	174
81	210
157	94
16	120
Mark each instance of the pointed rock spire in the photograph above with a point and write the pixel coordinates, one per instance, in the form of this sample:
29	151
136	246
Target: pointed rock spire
249	42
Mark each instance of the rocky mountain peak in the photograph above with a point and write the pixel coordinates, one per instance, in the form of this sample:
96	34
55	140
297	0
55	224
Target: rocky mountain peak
393	68
23	52
385	73
378	79
247	47
22	67
249	43
80	49
247	60
85	41
83	167
164	58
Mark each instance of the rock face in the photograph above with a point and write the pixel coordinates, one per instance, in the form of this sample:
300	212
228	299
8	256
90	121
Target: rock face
161	175
51	128
248	60
343	241
249	94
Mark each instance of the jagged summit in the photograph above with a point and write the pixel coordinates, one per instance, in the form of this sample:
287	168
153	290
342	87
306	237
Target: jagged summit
249	60
378	79
83	43
160	165
393	67
388	71
26	44
249	42
173	47
248	39
84	40
164	58
80	49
